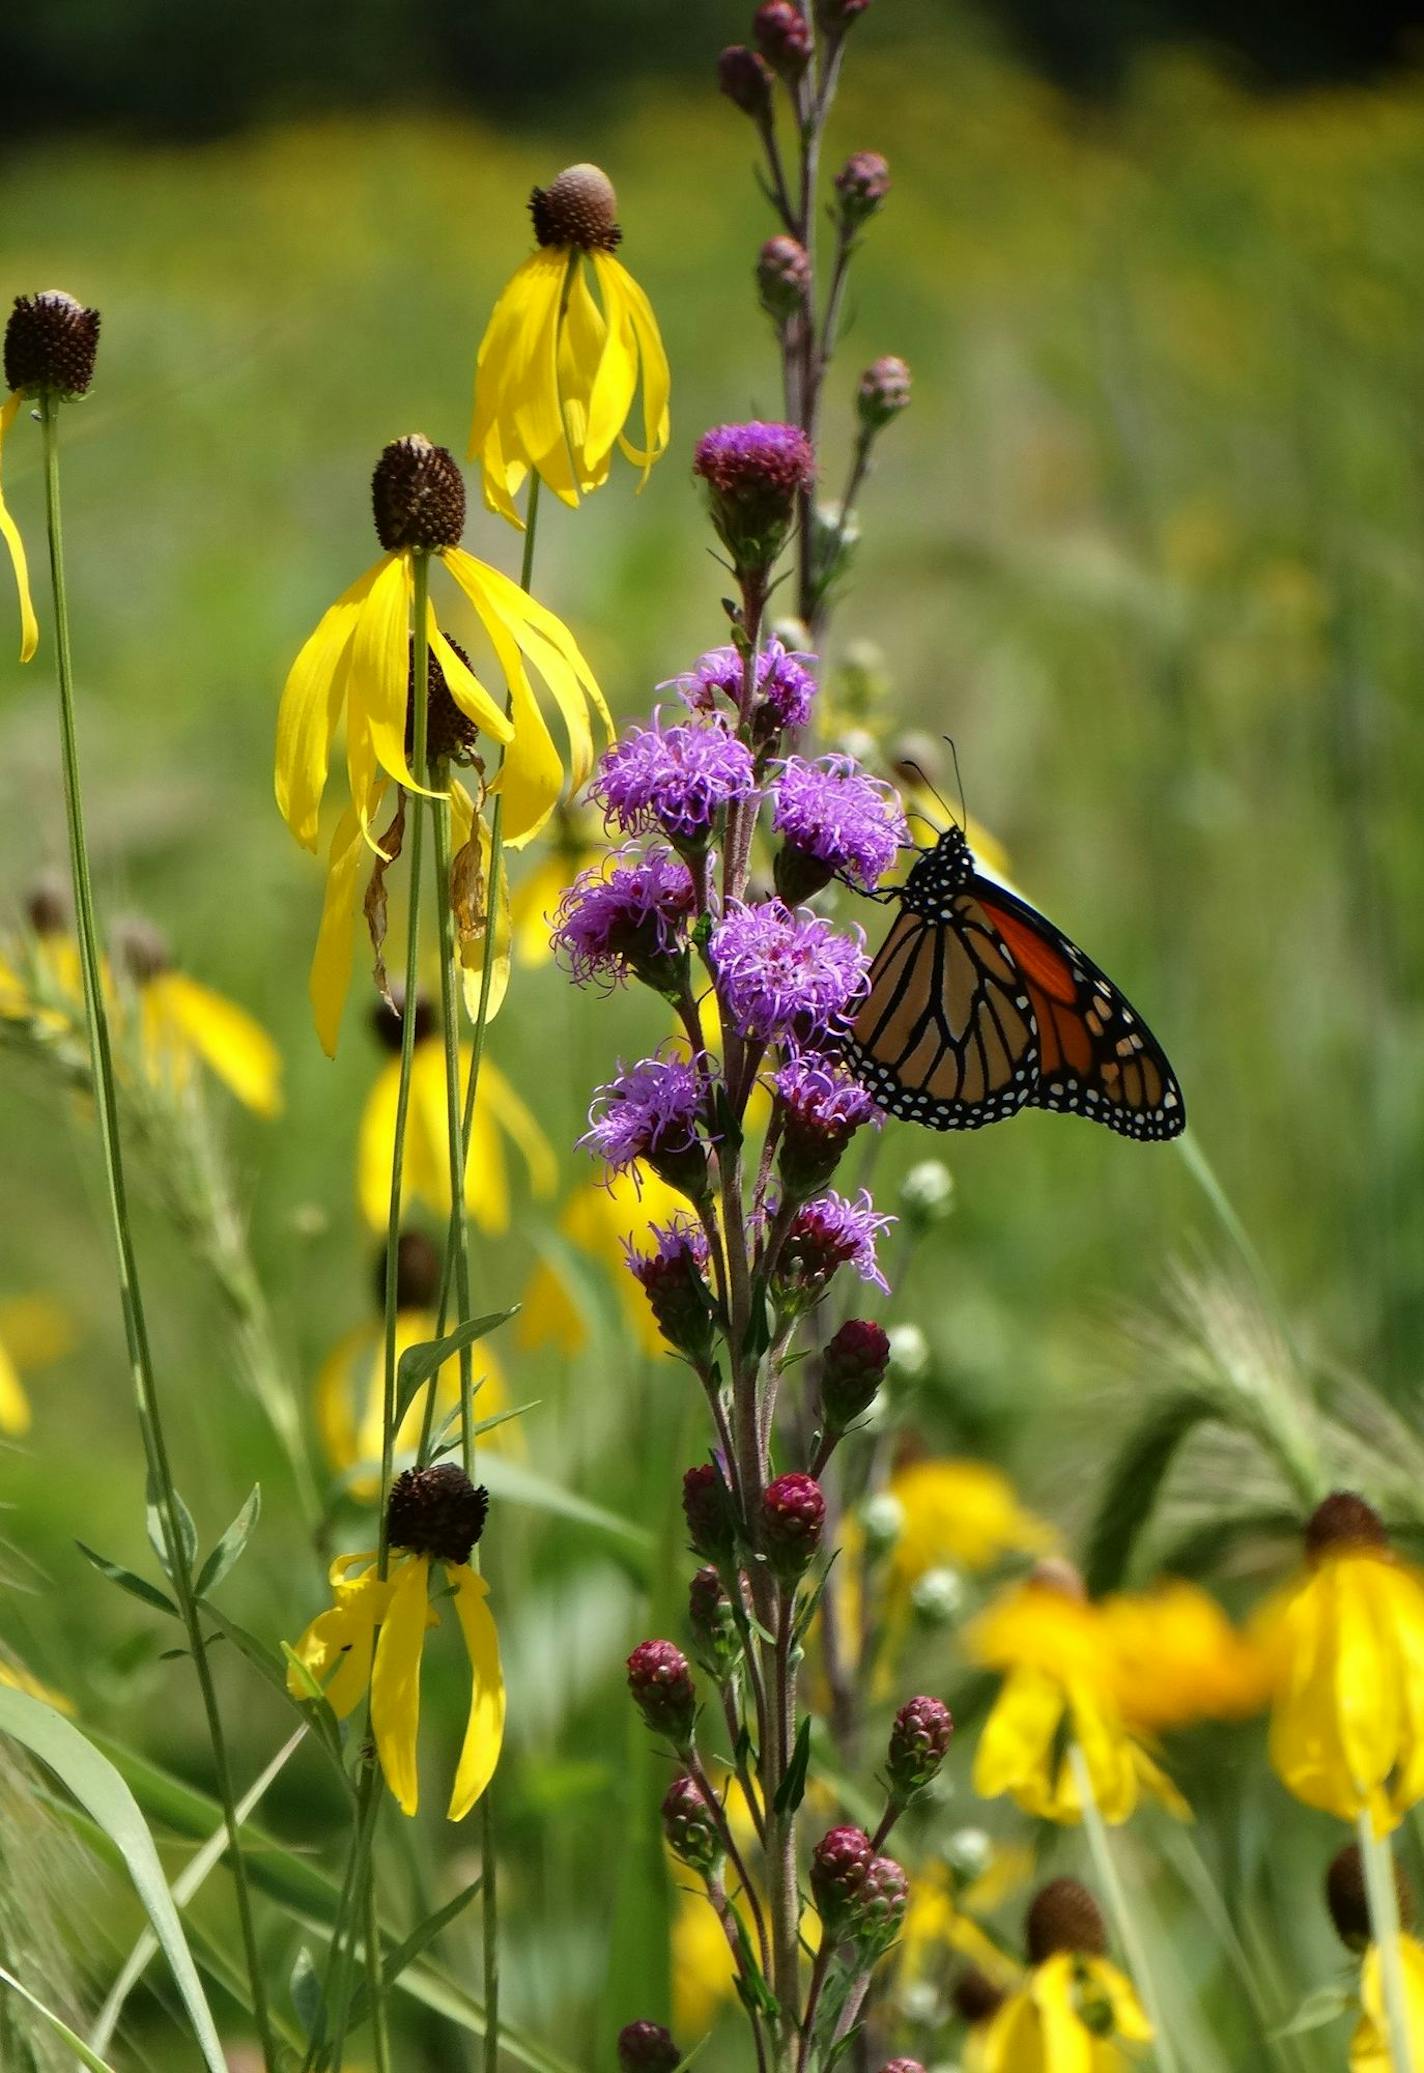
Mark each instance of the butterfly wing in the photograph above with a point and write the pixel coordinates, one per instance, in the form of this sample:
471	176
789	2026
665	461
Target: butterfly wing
1097	1058
946	1033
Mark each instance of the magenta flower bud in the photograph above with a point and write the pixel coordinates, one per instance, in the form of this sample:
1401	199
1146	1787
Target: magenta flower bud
647	2048
746	80
783	37
836	16
902	2066
755	474
675	1283
707	1507
862	184
660	1679
883	392
688	1827
852	1369
919	1743
826	1234
783	277
714	1629
881	1903
839	1864
793	1516
822	1107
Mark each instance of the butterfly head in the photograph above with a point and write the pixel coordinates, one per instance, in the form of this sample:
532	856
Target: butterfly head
939	873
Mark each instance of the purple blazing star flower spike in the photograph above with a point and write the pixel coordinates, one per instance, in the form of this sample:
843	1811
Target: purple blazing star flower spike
830	1232
627	915
839	822
649	1112
678	778
785	974
784	683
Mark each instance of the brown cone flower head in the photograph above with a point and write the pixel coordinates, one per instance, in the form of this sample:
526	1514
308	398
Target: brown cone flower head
437	1511
417	495
975	1997
450	734
47	905
418	1270
1343	1521
386	1019
580	209
51	342
1348	1901
141	949
1064	1917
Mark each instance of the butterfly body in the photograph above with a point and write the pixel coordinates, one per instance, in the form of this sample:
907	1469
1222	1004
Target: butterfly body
978	1007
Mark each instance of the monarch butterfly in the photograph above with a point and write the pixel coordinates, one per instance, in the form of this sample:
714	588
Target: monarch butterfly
978	1007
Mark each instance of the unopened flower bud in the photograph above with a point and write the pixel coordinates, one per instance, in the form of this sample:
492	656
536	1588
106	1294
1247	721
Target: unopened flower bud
746	80
862	184
975	1997
909	1355
1343	1522
417	496
688	1827
937	1597
852	1369
839	1864
647	2048
1348	1900
881	1905
436	1511
1064	1917
882	392
926	1195
707	1507
969	1852
577	211
783	37
660	1680
793	1516
51	343
882	1521
673	1279
836	16
783	277
713	1624
919	1743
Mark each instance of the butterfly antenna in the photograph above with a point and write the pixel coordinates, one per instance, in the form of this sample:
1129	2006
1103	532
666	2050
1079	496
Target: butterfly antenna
909	763
959	780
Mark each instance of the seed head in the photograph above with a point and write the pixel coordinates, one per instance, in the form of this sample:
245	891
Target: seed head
578	209
688	1827
51	342
1343	1521
647	2048
793	1517
436	1511
883	392
783	277
852	1369
417	495
707	1507
975	1997
1348	1901
746	80
141	949
839	1864
1064	1917
418	1272
387	1017
660	1680
862	184
919	1743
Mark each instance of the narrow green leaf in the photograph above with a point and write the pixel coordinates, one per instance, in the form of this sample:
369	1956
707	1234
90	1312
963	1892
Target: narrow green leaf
136	1586
187	1531
230	1547
394	1962
61	2029
516	1484
419	1363
792	1789
98	1787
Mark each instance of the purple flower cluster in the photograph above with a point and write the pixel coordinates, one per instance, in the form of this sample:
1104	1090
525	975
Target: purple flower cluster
786	689
831	1232
821	1098
838	821
677	778
673	1278
783	973
754	474
627	915
649	1111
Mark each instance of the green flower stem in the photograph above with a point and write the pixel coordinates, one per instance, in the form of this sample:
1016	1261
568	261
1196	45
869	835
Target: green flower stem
458	1242
1383	1900
150	1418
1125	1922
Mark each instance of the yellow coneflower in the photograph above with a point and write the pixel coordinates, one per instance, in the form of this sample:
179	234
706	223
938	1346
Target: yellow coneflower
1347	1899
1060	1691
358	663
600	1221
942	1917
182	1023
577	844
1075	2010
50	346
349	1394
499	1113
1346	1644
558	368
1180	1660
34	1331
373	1636
960	1513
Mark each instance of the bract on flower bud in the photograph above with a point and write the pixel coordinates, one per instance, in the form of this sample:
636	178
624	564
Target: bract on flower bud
919	1743
882	392
783	278
862	184
417	495
51	344
852	1369
839	1864
660	1680
707	1507
647	2048
436	1511
688	1827
783	37
1064	1916
746	80
793	1516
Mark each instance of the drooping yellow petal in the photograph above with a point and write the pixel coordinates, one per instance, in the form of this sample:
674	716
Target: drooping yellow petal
467	690
10	533
335	943
484	1731
235	1046
618	285
311	709
473	932
339	1642
15	1414
486	1174
395	1680
375	1138
516	386
534	899
332	1396
378	687
1369	2047
1067	2045
1016	1752
517	1120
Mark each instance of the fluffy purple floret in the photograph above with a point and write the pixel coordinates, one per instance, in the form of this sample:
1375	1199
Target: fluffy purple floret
613	918
830	1232
785	974
832	811
677	778
647	1109
822	1097
752	459
681	1243
785	685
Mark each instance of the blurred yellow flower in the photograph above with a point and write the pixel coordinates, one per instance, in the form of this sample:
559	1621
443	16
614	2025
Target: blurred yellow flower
1066	2018
1346	1645
962	1514
373	1637
940	1918
34	1331
558	369
704	1972
577	844
499	1113
597	1220
1369	2047
1060	1691
1180	1660
25	1681
182	1023
10	533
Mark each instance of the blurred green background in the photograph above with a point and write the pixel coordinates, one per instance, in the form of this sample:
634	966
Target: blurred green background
1147	545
